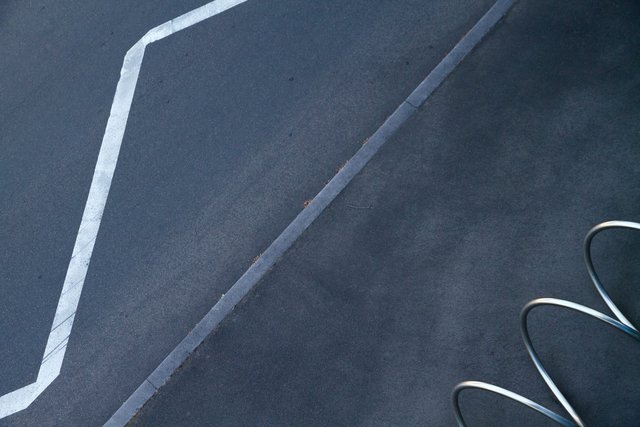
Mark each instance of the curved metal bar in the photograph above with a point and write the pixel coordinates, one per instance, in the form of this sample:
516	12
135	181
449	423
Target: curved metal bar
592	271
509	395
622	324
534	355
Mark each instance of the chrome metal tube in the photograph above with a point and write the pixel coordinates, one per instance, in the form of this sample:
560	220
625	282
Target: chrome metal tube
622	323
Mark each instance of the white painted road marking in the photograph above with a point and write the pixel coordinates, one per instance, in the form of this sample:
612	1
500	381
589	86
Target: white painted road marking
20	399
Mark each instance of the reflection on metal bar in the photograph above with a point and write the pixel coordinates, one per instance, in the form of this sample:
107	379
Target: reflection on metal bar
622	323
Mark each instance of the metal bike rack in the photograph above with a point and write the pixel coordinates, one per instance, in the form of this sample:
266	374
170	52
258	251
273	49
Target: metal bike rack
622	323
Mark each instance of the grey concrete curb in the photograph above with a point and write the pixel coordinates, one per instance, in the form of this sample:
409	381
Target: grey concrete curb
465	45
305	218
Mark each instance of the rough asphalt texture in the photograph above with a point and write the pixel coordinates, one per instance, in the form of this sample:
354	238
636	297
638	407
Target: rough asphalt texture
413	278
235	123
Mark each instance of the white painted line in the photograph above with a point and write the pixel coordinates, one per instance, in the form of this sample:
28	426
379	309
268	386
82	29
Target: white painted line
305	218
20	399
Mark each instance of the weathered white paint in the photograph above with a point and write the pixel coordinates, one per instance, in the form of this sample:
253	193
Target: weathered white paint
53	357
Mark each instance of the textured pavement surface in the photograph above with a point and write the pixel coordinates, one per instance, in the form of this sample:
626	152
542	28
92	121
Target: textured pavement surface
412	280
235	123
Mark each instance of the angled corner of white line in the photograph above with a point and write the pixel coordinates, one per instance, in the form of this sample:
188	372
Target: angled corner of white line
18	400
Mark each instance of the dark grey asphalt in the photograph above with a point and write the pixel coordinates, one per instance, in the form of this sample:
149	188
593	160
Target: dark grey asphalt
234	124
412	280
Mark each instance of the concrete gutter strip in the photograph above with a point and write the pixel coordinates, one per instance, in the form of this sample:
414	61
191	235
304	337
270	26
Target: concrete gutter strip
457	54
305	218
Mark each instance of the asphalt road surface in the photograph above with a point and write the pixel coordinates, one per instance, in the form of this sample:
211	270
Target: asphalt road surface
235	123
412	280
